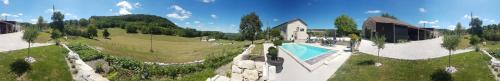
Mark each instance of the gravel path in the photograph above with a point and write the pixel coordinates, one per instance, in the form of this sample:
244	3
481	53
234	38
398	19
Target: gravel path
85	72
14	41
414	50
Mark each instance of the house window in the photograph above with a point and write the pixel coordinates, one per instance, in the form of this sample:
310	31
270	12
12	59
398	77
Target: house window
302	29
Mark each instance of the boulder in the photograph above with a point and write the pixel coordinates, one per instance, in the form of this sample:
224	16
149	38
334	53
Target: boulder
236	77
236	69
252	75
246	64
260	66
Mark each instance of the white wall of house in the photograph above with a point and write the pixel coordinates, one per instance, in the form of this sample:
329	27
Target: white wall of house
295	30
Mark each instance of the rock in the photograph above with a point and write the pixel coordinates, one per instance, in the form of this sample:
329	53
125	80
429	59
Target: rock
246	64
260	66
236	77
252	75
236	69
451	69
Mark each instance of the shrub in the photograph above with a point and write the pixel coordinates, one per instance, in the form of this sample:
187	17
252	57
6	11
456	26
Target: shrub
92	32
131	29
105	33
273	52
277	42
99	68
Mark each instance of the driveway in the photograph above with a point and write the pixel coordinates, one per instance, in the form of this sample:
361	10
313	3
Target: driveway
14	41
414	50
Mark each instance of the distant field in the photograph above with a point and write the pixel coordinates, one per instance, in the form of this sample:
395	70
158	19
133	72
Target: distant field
471	67
50	64
167	49
43	37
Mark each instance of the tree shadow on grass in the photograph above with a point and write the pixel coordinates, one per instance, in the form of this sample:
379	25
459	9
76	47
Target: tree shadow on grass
441	75
19	67
366	62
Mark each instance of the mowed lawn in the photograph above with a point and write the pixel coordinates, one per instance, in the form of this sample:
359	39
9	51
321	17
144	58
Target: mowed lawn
167	49
50	64
472	66
43	37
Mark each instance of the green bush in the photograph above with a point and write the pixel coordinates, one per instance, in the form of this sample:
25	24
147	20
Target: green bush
99	68
273	52
277	42
131	29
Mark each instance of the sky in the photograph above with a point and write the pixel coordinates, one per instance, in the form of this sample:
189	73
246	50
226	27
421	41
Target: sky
225	15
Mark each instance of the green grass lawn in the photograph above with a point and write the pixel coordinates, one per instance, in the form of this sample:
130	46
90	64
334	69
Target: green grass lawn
43	37
50	65
471	67
167	49
464	42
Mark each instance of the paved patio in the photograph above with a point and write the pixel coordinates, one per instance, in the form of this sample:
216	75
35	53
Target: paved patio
14	41
414	50
294	71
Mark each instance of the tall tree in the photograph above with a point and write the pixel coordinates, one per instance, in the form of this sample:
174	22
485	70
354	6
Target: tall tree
249	26
83	22
459	29
379	41
58	21
30	35
345	25
387	15
476	28
40	23
450	42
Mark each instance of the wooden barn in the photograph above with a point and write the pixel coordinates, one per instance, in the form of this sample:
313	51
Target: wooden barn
395	30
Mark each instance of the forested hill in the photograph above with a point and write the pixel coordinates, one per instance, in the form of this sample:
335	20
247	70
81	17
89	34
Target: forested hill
132	19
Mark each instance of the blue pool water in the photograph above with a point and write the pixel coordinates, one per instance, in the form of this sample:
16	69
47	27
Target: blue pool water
305	52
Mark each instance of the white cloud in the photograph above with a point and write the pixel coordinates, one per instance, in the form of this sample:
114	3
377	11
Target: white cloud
50	10
125	8
179	13
428	22
6	2
137	5
187	23
196	22
210	22
451	27
208	1
33	21
422	10
11	15
435	26
213	16
373	11
232	25
467	16
111	10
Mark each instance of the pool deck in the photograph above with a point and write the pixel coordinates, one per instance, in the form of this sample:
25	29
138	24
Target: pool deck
326	67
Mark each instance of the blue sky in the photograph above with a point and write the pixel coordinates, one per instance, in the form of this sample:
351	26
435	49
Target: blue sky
224	15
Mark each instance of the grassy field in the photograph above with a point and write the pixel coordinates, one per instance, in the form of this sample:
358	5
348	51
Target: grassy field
167	49
471	67
464	42
43	37
50	65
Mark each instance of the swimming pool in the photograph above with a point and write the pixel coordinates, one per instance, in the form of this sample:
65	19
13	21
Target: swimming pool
305	52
